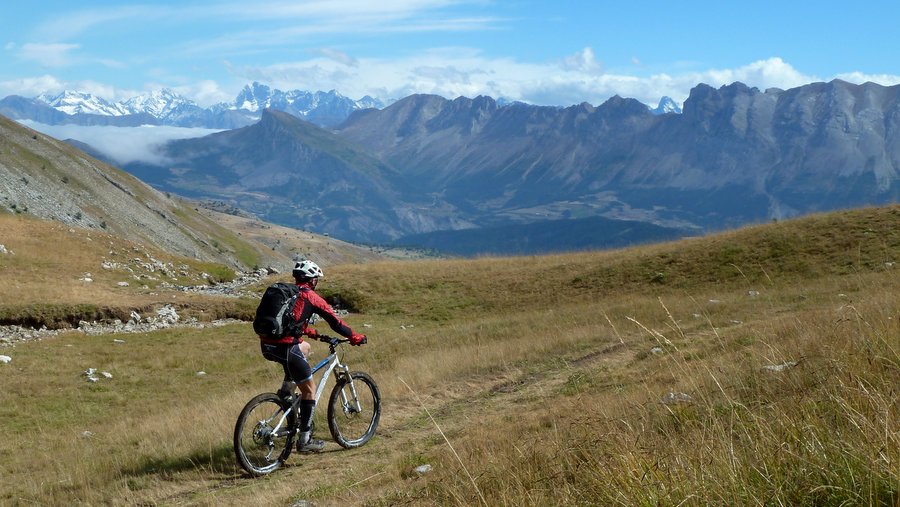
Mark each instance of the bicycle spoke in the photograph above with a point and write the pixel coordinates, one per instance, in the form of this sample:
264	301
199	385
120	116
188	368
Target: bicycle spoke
262	446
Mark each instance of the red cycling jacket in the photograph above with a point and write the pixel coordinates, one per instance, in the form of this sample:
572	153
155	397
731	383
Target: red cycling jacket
309	303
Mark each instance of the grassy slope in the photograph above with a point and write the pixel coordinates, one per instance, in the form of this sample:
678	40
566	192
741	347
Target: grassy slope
288	243
540	372
41	282
42	169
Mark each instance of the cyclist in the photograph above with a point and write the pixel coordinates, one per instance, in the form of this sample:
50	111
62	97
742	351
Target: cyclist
291	351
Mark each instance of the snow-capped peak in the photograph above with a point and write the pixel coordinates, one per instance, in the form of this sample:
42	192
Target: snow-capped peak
74	102
159	103
254	97
666	105
170	108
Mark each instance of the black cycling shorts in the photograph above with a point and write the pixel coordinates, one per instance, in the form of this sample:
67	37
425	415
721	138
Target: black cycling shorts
296	367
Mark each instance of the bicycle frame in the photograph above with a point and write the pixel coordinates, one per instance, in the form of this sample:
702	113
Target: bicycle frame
330	363
333	364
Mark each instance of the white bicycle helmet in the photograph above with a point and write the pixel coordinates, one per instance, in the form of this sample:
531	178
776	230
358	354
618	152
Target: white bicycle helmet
307	269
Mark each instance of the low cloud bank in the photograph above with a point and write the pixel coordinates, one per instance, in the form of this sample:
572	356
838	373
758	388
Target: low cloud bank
122	144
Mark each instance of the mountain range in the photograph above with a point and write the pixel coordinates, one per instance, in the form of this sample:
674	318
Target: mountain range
431	171
424	164
165	107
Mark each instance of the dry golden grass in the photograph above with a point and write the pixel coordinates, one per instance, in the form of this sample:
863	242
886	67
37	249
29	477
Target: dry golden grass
49	260
284	244
540	372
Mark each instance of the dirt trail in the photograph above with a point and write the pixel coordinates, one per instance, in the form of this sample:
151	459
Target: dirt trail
369	474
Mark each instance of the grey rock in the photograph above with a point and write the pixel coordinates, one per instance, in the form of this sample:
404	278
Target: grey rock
787	365
674	398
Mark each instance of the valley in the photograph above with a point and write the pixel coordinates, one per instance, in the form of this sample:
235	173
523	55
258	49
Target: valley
457	174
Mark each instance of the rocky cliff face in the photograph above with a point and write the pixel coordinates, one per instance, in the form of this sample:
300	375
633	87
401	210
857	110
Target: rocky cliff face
760	154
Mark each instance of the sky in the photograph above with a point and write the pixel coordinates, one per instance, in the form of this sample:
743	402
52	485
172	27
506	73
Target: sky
540	52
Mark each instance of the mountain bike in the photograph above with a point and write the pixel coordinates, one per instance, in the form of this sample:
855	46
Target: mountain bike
264	432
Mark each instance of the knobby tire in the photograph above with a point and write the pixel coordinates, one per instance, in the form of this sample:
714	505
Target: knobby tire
258	450
351	428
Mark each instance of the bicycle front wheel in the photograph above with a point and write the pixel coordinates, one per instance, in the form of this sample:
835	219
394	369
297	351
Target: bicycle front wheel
262	436
354	409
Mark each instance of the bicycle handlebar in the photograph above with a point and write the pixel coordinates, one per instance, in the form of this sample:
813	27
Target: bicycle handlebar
331	339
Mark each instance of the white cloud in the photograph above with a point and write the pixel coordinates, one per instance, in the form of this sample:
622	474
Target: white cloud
32	86
71	24
452	72
458	71
48	55
773	72
860	78
204	93
285	22
583	61
122	144
338	56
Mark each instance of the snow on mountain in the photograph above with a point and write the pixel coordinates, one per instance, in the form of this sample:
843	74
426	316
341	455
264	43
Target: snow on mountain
73	102
322	108
666	105
253	98
256	97
159	103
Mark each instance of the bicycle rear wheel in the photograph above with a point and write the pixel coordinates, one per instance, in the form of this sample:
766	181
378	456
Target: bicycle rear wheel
262	436
354	409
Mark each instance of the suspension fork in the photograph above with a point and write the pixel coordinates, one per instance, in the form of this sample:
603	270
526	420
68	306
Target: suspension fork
344	374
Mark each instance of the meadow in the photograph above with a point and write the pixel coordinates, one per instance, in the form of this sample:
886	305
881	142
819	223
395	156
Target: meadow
753	367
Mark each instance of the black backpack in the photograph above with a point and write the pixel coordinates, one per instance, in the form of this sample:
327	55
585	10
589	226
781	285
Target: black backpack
274	315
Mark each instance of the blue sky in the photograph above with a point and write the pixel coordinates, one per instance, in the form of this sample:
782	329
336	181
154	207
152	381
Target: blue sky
553	53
